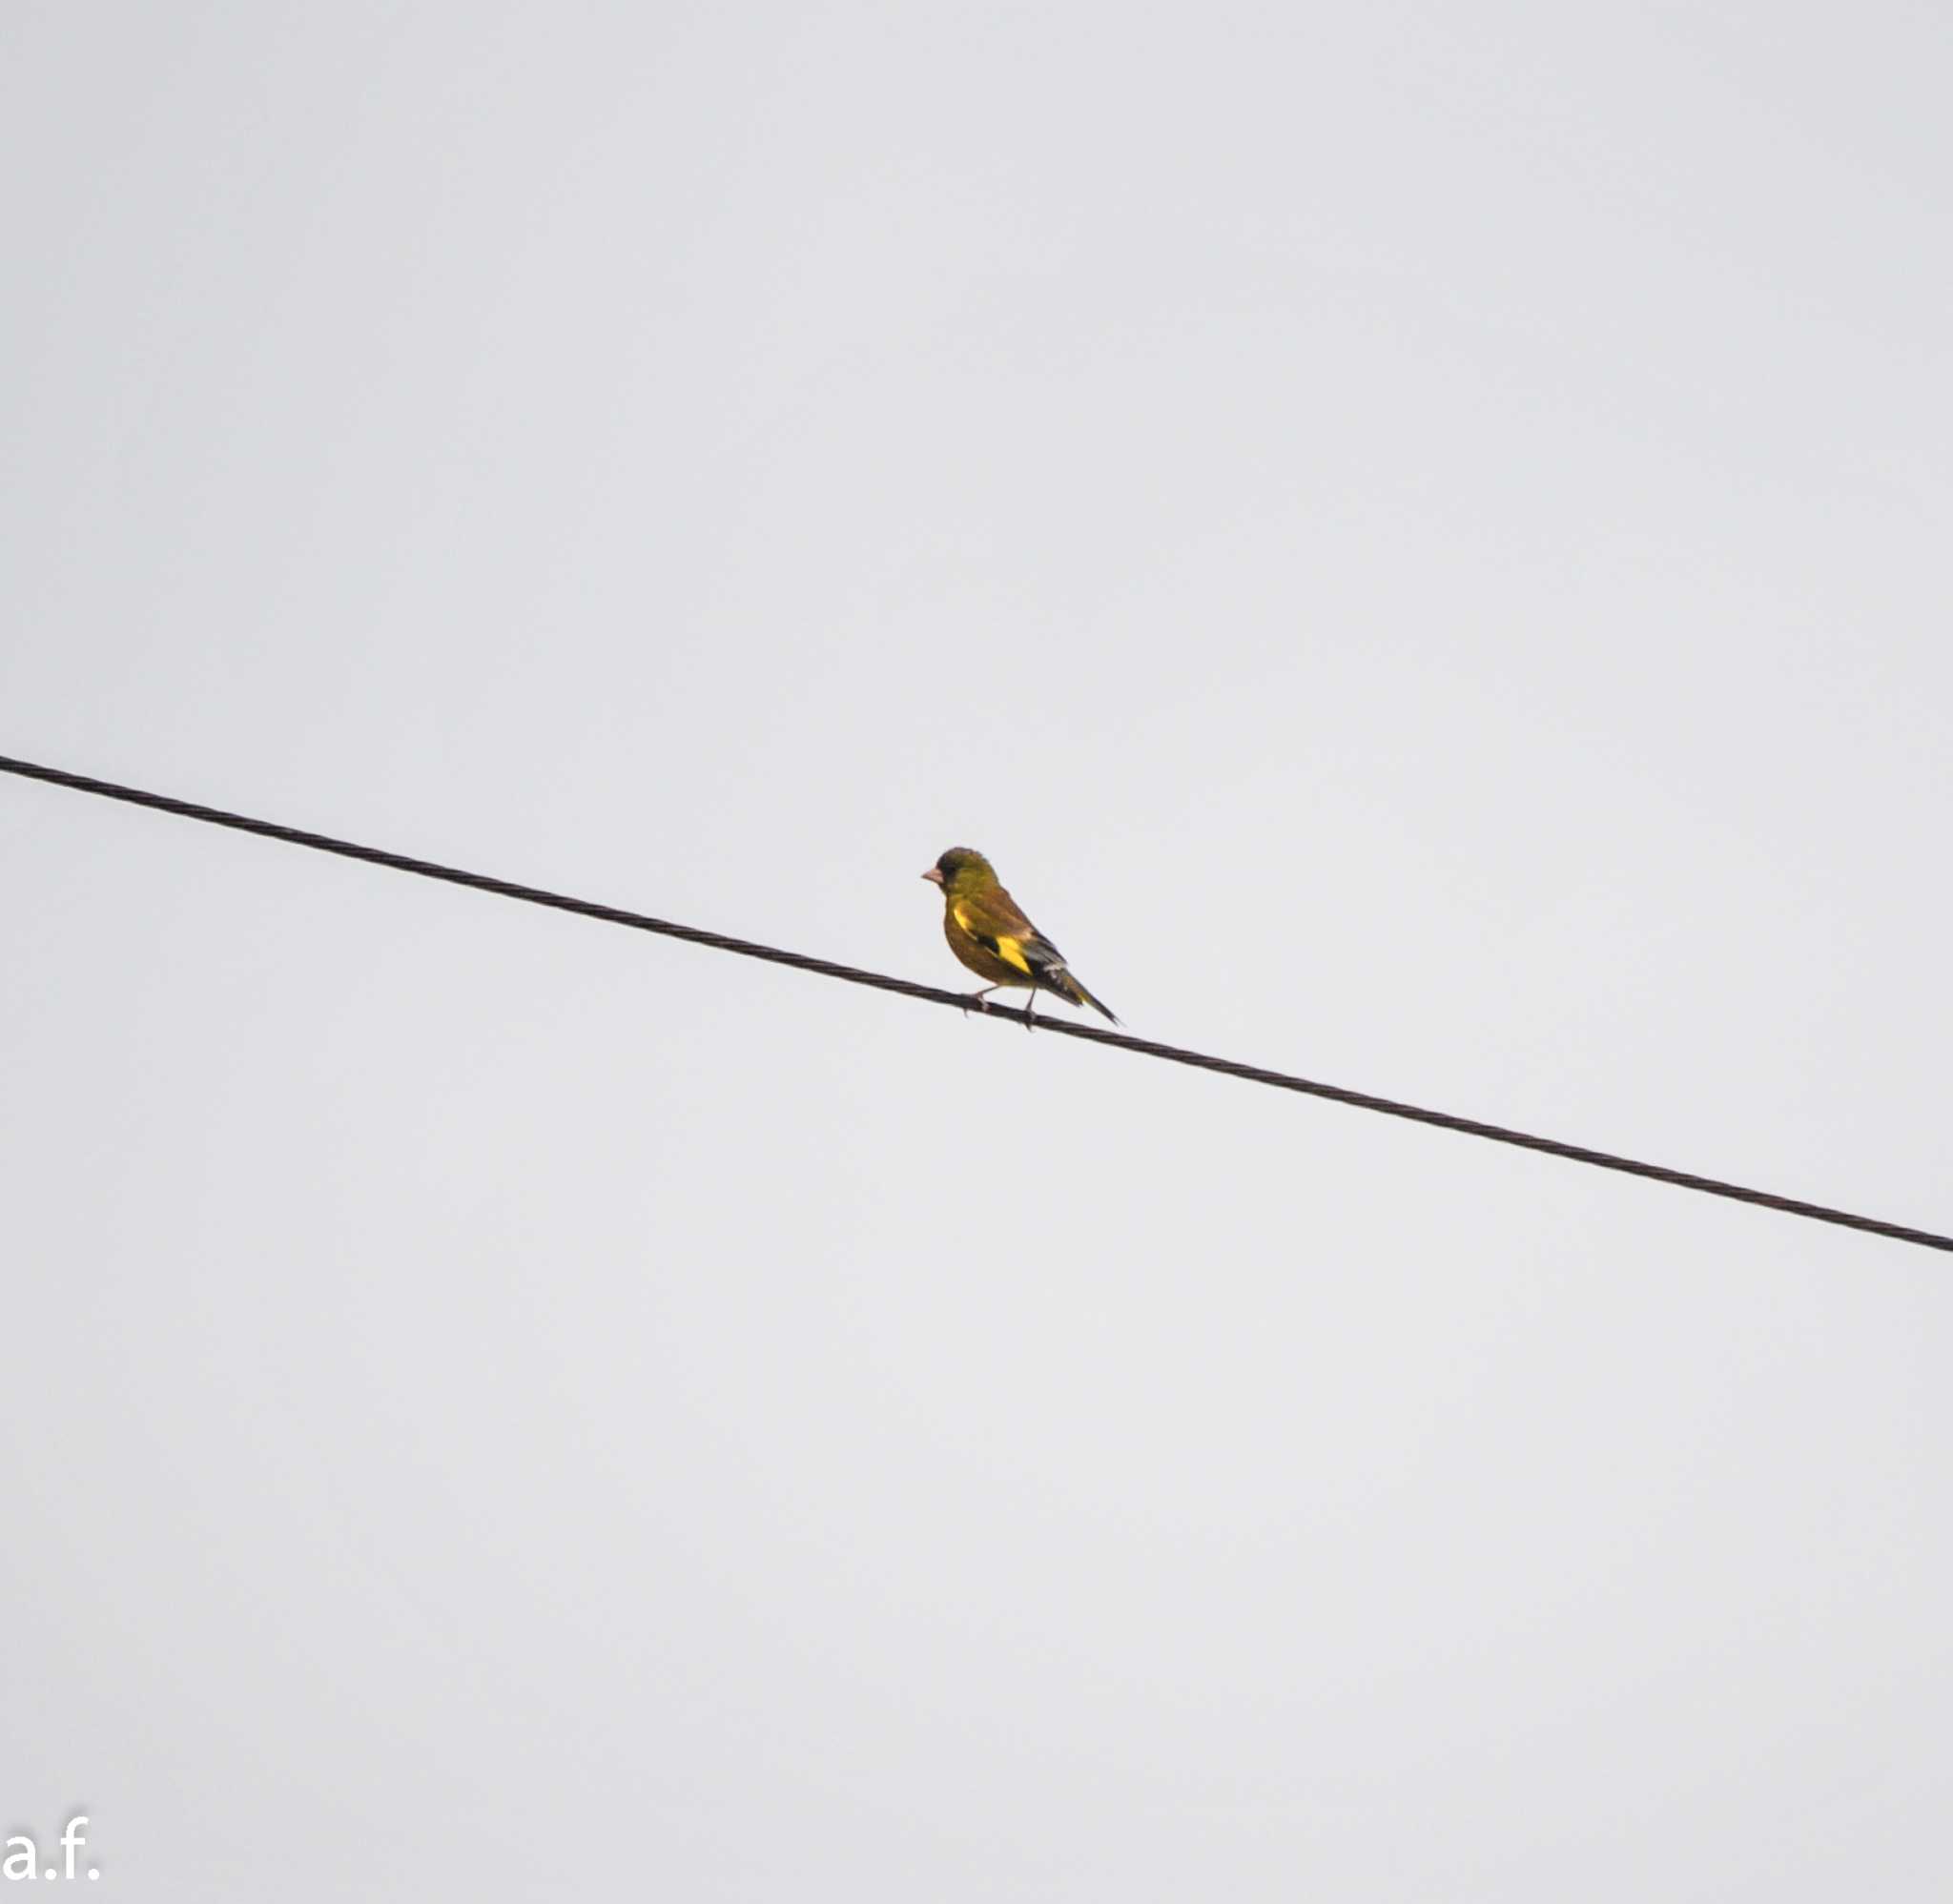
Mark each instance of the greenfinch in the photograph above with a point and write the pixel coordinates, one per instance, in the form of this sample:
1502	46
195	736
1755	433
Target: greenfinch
991	936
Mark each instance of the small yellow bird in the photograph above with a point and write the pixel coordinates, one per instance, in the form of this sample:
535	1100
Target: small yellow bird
991	935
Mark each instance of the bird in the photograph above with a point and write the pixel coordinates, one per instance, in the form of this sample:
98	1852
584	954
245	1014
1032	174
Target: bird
990	934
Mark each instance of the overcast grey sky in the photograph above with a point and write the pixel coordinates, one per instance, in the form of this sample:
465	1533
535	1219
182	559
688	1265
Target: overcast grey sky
1417	539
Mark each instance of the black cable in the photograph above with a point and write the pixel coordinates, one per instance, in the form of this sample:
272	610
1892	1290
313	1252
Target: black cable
616	915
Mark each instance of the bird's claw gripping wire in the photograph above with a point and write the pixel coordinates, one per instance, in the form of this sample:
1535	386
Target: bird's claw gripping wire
980	1002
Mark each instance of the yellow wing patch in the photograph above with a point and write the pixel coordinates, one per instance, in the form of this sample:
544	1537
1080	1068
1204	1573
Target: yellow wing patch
1012	953
1009	951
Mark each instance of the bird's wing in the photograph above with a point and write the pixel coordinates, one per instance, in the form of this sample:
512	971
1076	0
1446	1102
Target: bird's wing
995	921
1043	955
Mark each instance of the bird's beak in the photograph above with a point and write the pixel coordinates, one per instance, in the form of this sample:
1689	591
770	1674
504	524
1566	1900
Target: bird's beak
934	874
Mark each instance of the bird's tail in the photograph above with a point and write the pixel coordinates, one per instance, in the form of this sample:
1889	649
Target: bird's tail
1068	988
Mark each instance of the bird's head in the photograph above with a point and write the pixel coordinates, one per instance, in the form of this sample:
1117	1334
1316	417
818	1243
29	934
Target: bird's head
960	872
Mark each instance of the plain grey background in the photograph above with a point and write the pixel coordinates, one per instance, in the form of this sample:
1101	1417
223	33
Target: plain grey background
1416	537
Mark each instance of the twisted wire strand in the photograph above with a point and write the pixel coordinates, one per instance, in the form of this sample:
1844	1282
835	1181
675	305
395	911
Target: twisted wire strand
880	981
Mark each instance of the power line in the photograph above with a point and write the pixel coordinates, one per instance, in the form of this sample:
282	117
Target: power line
617	915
